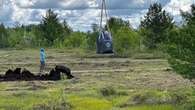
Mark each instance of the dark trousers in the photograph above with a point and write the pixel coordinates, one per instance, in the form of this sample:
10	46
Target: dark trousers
42	66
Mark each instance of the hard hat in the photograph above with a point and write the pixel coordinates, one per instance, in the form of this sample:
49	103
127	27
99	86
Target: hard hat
42	49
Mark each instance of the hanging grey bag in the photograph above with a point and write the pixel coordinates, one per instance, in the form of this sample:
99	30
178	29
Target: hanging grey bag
104	43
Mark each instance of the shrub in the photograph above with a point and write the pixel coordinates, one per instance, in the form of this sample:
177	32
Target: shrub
58	105
108	91
91	40
125	41
75	40
181	48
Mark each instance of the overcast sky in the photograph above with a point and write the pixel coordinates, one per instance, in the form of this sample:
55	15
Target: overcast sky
80	14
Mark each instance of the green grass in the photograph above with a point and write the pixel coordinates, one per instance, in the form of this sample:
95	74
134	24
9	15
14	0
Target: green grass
147	77
26	100
89	103
84	100
152	107
94	103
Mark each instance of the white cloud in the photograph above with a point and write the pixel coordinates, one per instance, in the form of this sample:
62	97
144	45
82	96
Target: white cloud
131	4
174	6
5	11
57	4
80	14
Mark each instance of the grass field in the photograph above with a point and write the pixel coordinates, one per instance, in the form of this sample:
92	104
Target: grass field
103	82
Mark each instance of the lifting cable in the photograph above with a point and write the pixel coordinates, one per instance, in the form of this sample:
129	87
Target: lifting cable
104	10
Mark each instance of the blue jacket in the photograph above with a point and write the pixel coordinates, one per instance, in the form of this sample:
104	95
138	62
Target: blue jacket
42	55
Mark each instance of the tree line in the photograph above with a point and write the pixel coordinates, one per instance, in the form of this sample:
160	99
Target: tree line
157	30
53	33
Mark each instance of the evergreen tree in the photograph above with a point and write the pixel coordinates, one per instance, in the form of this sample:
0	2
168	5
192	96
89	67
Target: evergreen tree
51	28
182	46
116	23
155	26
3	36
66	28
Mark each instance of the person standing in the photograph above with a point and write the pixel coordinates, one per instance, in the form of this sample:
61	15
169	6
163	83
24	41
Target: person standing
42	60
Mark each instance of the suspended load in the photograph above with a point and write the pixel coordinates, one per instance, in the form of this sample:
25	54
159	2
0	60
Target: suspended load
104	43
104	39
